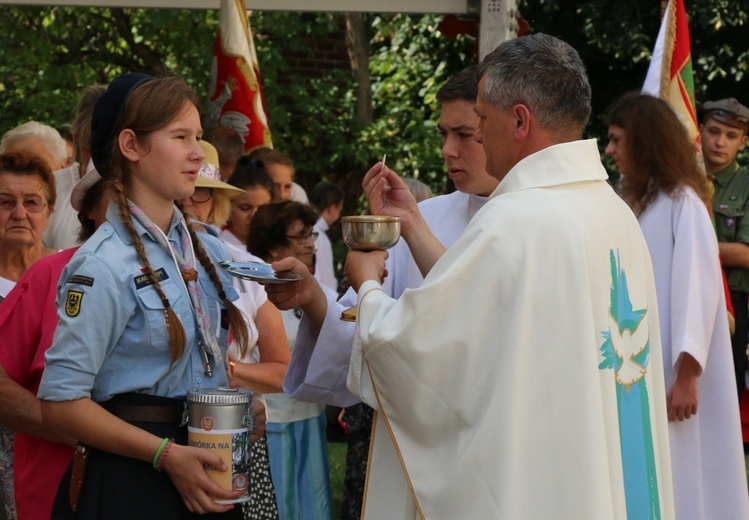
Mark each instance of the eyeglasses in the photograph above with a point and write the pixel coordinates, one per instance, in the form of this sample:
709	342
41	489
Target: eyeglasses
32	205
201	195
303	238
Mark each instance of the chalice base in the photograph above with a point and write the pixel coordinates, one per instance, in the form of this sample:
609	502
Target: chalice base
349	314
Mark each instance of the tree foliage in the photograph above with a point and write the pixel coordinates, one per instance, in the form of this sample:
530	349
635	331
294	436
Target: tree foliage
47	54
314	119
616	39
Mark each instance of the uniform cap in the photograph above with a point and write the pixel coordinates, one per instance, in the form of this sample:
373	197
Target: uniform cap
728	111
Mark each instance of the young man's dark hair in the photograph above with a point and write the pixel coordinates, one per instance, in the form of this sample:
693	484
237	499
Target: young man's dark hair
463	86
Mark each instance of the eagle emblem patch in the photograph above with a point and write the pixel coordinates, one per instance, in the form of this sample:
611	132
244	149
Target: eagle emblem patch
73	303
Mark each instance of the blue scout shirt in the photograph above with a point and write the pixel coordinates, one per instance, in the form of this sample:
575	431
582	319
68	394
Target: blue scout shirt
112	336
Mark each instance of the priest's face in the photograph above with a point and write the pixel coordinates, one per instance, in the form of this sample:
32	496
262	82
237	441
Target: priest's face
496	133
464	157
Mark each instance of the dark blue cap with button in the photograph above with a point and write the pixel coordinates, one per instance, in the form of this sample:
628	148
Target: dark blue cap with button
106	118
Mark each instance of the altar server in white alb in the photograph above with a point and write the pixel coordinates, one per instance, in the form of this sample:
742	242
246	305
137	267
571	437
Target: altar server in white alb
669	195
320	360
523	378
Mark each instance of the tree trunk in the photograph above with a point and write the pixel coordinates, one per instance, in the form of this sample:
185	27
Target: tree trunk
358	51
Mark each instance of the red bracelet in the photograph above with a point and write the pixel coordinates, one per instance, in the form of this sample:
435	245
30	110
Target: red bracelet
232	365
164	452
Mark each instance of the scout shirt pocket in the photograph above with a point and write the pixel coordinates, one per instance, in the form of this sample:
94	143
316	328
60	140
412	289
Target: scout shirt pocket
153	309
727	221
216	310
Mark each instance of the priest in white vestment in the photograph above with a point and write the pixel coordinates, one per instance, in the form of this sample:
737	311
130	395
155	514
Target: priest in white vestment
523	378
669	194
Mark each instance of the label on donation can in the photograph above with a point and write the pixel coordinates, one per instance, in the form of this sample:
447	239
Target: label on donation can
220	420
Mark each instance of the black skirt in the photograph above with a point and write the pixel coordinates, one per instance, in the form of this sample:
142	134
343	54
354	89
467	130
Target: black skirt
123	488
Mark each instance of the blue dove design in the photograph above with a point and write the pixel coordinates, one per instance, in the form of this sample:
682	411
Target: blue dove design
626	350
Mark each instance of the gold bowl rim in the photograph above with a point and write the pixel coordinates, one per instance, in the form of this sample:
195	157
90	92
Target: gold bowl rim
370	219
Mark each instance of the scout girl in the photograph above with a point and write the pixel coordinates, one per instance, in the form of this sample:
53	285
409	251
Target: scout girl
144	315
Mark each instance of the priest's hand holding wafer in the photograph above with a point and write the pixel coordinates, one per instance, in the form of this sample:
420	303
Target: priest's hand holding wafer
387	194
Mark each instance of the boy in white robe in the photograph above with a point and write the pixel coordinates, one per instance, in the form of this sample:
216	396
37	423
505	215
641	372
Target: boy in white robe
320	359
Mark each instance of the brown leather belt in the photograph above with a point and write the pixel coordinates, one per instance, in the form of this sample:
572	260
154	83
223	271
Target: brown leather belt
153	414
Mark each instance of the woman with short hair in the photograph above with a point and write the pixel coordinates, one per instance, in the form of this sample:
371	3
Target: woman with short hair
297	441
251	176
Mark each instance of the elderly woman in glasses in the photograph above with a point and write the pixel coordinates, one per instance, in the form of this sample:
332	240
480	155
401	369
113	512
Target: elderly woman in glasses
295	430
27	197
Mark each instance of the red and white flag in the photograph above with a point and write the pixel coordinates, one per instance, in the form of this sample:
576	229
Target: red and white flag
236	93
670	76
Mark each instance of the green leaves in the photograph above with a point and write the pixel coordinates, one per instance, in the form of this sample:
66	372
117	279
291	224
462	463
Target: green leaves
47	54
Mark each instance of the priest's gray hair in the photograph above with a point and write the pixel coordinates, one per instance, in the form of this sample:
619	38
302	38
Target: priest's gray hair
543	73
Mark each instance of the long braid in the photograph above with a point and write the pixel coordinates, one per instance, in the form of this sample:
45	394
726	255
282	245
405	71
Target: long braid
237	322
177	339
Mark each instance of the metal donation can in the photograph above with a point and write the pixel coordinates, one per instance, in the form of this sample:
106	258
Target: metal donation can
221	420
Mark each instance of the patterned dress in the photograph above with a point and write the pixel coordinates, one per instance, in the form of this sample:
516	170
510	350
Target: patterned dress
262	504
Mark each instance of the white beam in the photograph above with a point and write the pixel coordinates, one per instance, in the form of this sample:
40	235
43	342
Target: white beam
376	6
498	24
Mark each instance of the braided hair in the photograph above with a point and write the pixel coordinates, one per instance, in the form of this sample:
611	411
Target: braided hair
237	321
174	327
148	108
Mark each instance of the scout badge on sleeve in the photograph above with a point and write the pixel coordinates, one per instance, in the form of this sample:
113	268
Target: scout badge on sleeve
73	303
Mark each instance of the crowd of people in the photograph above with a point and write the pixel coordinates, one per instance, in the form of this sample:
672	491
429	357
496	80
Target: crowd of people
540	343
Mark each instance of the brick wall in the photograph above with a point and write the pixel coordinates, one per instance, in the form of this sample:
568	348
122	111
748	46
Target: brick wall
328	53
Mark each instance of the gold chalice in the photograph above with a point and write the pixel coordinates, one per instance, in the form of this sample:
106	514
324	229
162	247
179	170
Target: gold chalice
369	233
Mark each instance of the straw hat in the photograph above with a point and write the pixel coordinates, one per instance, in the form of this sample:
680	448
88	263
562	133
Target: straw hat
209	176
84	183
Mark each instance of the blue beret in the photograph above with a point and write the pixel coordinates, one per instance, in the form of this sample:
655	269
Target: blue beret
106	118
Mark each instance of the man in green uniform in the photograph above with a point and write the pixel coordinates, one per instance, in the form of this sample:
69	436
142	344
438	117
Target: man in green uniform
723	133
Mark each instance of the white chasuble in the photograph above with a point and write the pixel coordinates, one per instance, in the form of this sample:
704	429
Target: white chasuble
523	378
707	456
